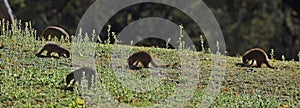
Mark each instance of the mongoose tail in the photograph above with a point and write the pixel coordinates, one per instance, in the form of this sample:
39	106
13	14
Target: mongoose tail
268	65
164	66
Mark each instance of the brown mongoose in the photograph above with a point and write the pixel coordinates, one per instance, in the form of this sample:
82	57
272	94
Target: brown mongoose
52	47
258	55
77	75
54	31
142	57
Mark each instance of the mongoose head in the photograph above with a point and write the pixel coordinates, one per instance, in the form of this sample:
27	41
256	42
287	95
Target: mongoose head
130	61
69	78
245	59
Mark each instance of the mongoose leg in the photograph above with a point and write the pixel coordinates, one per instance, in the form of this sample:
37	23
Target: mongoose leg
146	65
49	53
136	63
258	64
252	61
61	55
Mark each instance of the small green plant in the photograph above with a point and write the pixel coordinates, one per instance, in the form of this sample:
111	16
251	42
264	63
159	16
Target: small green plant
77	103
93	35
202	43
79	35
4	28
283	58
208	50
299	56
99	39
218	48
131	43
181	43
108	35
86	38
272	54
115	38
1	27
168	42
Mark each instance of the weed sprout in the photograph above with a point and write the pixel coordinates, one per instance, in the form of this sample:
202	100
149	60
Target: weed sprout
181	43
299	55
272	54
202	43
167	43
108	35
283	58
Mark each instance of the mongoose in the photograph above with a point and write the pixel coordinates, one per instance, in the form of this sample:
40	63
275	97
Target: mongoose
258	55
54	31
52	47
142	57
77	75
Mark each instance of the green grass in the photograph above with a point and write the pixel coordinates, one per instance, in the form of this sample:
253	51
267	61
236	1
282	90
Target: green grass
29	81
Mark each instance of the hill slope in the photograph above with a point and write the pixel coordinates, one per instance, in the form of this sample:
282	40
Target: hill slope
29	81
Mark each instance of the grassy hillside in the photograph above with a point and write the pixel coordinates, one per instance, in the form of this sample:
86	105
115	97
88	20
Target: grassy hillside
30	81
